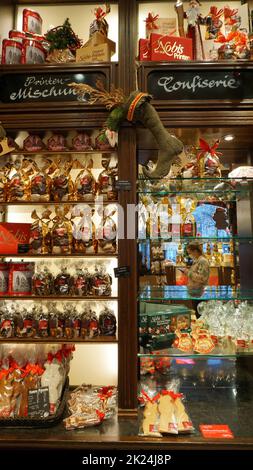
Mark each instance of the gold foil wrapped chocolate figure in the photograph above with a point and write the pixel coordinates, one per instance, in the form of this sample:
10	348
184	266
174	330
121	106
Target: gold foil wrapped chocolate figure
61	233
19	188
107	180
62	184
40	238
85	184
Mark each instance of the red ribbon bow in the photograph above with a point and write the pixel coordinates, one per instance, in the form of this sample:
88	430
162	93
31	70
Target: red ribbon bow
172	394
100	415
228	15
150	21
33	369
223	39
206	148
215	13
147	398
4	373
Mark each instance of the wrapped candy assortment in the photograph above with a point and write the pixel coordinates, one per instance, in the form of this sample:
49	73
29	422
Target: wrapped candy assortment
22	179
164	412
30	367
73	230
82	283
53	321
90	405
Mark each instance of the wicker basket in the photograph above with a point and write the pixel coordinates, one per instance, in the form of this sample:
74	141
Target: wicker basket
51	420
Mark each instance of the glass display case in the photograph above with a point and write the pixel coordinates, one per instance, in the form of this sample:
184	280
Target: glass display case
195	289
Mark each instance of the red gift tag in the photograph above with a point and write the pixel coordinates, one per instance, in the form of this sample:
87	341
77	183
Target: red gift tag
217	431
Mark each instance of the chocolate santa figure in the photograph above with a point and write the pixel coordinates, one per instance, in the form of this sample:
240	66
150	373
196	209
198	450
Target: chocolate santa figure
194	20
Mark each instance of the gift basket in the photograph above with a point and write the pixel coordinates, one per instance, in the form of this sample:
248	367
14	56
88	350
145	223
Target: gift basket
33	384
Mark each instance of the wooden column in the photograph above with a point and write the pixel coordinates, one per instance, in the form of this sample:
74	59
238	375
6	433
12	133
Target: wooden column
127	375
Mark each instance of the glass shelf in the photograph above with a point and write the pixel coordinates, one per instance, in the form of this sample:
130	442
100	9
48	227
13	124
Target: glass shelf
62	255
49	339
196	179
57	297
180	354
166	293
227	189
62	152
178	238
93	202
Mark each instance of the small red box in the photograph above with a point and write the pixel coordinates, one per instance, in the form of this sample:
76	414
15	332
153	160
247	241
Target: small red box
144	49
14	238
168	48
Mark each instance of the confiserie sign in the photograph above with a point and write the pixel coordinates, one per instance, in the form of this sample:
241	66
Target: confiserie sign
181	84
19	88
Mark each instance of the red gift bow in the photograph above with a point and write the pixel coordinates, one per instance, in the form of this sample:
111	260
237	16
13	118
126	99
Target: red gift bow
58	356
150	21
172	394
205	147
100	13
105	392
100	415
4	373
228	13
240	39
223	39
147	398
33	369
215	13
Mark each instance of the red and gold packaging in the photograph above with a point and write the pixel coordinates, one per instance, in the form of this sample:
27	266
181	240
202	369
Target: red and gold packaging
14	238
33	143
18	182
11	51
32	21
167	48
61	233
20	278
17	35
4	278
144	49
40	238
33	52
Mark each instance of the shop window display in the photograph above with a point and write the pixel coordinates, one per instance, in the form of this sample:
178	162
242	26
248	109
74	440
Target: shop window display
181	324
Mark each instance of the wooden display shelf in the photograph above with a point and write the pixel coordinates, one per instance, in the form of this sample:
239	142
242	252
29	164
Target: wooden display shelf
62	152
56	297
98	339
52	203
50	255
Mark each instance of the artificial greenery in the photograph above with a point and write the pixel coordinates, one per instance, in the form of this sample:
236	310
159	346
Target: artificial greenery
63	37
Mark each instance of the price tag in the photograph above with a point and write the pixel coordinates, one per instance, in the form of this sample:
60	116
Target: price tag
123	185
122	271
38	402
217	431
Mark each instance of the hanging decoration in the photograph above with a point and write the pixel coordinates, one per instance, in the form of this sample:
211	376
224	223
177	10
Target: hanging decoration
135	107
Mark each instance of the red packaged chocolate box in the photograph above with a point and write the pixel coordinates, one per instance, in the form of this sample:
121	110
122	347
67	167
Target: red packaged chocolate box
14	238
166	48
